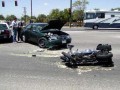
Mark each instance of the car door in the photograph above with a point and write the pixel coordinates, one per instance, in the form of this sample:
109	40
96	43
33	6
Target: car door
28	30
34	33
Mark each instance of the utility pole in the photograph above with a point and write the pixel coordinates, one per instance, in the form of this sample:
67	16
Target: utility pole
24	13
31	9
70	12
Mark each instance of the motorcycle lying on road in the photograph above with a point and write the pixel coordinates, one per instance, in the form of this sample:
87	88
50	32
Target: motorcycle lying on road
101	56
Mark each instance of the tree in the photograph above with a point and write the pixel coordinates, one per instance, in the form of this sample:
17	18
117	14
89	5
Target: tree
78	15
2	17
25	18
79	7
10	17
115	9
61	15
33	19
41	18
80	4
66	14
55	14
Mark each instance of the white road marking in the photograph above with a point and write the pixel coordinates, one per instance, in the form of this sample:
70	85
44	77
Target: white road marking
84	69
57	53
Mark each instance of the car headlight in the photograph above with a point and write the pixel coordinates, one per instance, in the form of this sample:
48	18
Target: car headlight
68	36
53	37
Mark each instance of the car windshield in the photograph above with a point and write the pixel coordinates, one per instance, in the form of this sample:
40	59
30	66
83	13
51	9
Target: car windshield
39	26
3	26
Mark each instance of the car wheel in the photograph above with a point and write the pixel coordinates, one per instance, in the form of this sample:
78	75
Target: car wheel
95	27
24	39
11	39
42	43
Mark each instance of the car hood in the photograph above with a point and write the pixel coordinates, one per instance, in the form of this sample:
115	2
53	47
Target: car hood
54	24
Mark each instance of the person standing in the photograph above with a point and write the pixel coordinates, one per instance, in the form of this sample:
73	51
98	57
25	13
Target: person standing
20	25
15	28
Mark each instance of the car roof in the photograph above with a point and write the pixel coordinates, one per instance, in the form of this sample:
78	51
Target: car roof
38	23
3	23
6	25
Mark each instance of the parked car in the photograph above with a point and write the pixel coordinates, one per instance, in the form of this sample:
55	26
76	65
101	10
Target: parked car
5	32
46	35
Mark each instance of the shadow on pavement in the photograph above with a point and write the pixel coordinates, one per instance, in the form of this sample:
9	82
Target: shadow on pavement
5	41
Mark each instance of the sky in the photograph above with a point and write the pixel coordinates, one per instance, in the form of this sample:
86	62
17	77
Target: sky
45	6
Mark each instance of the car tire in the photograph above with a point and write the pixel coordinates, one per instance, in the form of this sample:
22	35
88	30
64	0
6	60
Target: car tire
11	39
24	39
42	43
95	27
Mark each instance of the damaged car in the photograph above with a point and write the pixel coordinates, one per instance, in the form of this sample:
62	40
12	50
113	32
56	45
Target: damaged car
46	35
101	56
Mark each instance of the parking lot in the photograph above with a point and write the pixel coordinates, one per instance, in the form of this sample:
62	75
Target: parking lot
25	66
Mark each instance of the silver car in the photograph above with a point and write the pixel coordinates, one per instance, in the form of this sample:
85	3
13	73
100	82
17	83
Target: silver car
5	32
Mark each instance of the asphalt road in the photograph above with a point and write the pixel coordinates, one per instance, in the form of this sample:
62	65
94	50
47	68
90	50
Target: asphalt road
25	66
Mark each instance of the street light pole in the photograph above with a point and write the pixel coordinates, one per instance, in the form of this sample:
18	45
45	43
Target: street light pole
24	14
31	9
70	12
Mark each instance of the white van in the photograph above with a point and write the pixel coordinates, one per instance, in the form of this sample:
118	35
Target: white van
102	19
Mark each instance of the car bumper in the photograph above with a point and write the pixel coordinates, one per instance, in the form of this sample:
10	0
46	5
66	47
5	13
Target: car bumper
5	37
58	42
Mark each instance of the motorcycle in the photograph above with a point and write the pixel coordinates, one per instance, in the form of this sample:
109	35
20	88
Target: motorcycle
101	56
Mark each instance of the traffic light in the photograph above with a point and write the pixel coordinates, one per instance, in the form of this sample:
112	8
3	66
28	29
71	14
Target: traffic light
3	4
16	4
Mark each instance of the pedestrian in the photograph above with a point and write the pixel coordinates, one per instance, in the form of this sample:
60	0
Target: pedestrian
20	25
14	28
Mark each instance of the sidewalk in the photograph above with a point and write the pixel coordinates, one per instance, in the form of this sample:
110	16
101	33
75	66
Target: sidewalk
72	27
67	28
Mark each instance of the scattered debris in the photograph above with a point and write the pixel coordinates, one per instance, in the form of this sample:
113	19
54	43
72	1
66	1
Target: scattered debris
33	55
40	53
